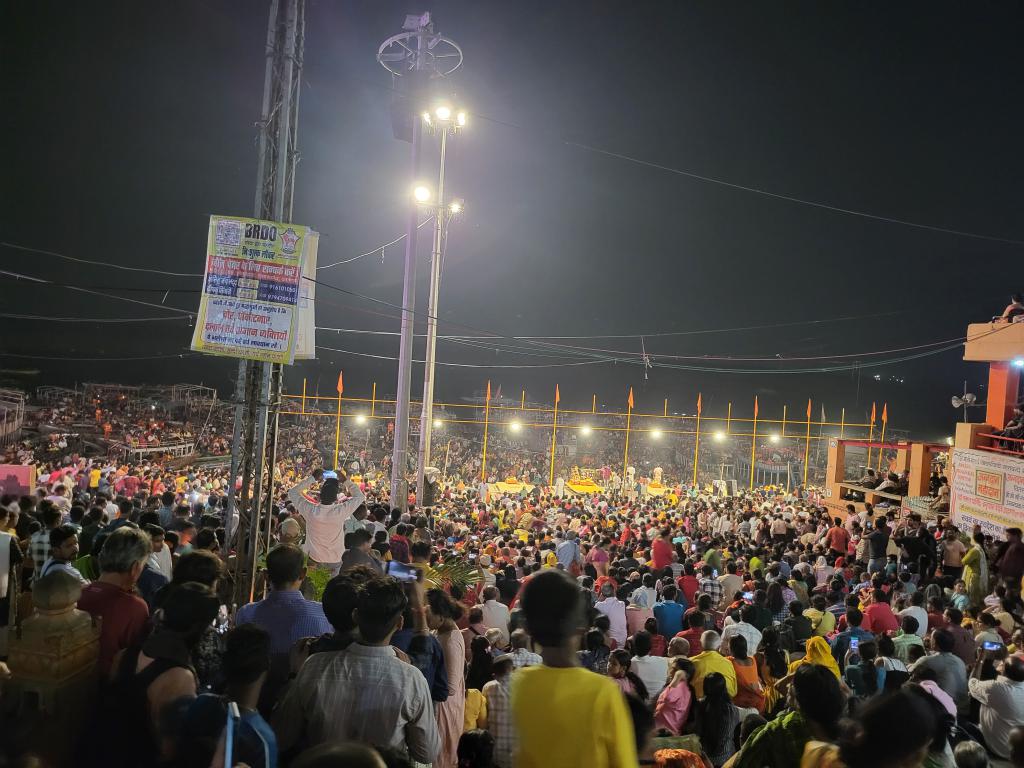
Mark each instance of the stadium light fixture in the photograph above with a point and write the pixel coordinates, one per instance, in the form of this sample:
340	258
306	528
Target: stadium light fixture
515	425
655	434
438	424
775	438
585	430
360	418
421	193
719	436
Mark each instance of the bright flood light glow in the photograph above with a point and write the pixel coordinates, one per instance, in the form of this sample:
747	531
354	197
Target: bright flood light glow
719	435
455	207
515	425
1019	362
460	118
655	434
421	193
443	112
949	441
437	423
360	419
775	438
585	429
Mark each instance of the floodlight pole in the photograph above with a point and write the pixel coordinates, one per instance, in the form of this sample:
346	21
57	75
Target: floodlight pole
427	414
418	53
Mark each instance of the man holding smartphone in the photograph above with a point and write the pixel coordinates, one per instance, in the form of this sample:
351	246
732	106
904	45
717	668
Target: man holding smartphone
325	521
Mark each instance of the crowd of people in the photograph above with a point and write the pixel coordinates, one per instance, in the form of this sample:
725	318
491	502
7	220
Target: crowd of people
749	631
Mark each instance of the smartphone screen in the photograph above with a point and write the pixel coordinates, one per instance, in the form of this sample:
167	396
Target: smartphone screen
402	572
748	595
991	645
229	733
854	643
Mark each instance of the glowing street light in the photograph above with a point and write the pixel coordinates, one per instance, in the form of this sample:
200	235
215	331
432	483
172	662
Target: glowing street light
455	207
438	424
443	112
460	119
585	430
949	441
719	436
515	425
421	193
775	438
361	419
655	434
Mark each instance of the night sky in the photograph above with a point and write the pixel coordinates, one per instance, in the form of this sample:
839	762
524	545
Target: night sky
127	124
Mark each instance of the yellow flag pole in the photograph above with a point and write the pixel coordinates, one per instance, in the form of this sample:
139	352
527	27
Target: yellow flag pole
753	447
593	405
303	395
666	406
337	432
625	456
882	440
522	402
871	436
696	447
728	420
784	408
554	427
487	418
842	424
373	398
807	443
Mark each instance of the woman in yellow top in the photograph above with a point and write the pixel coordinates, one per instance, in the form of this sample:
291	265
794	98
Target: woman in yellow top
476	710
975	563
773	666
818	653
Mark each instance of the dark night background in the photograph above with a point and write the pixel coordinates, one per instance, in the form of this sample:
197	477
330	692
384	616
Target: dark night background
127	124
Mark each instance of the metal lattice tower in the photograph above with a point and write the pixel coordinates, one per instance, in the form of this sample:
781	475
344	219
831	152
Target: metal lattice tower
258	388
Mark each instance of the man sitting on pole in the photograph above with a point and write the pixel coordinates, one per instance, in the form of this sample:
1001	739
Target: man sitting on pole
325	522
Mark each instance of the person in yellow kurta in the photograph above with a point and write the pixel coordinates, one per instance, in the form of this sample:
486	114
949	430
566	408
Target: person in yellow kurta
564	714
710	660
975	563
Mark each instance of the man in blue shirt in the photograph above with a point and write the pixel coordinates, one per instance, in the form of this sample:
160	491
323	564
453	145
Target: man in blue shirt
669	613
841	643
285	614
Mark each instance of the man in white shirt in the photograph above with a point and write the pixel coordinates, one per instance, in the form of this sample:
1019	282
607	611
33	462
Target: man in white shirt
160	560
615	610
1002	703
731	583
916	609
325	521
496	614
653	670
742	627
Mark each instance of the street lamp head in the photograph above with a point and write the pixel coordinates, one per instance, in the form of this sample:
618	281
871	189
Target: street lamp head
360	419
719	436
438	423
585	429
456	206
656	434
421	193
515	425
774	438
426	118
460	119
443	112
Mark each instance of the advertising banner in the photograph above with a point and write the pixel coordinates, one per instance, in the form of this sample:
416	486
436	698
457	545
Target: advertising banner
251	289
987	489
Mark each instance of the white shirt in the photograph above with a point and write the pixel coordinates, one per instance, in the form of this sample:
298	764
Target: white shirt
1002	708
921	615
325	538
496	617
749	632
615	610
162	562
653	670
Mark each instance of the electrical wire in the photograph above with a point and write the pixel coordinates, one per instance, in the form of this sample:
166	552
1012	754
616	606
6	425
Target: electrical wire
98	263
97	358
376	250
114	320
462	365
95	293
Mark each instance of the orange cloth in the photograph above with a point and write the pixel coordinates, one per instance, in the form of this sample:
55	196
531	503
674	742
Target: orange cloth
747	679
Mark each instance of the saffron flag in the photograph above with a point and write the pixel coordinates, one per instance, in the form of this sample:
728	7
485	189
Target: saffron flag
629	402
557	396
872	413
341	388
809	409
488	390
755	406
698	403
885	413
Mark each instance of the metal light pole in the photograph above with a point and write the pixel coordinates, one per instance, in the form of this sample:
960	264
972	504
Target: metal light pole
447	123
416	53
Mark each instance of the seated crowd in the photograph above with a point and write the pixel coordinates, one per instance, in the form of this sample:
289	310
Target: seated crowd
747	631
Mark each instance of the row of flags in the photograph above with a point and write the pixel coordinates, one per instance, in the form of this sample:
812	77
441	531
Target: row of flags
630	403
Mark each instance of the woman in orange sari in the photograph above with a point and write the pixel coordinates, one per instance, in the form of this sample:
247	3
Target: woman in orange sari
772	665
749	689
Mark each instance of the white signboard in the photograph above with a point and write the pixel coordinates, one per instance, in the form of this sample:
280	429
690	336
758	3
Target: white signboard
987	489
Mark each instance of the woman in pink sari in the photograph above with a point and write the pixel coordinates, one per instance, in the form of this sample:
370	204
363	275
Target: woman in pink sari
442	614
